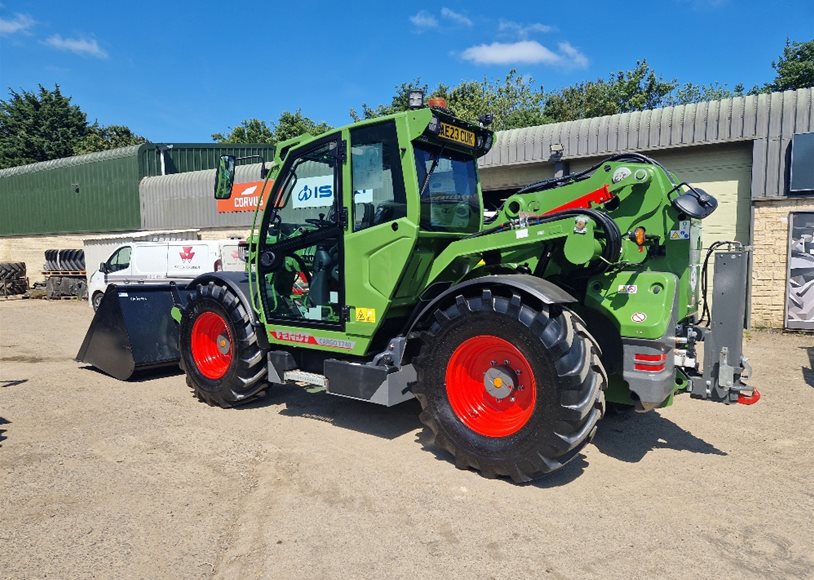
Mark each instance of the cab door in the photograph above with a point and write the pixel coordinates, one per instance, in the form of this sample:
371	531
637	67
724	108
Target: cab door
300	258
380	240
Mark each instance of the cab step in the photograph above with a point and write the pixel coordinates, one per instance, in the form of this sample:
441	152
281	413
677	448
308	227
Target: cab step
383	385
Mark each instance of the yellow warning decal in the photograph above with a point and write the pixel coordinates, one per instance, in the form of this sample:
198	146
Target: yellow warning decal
365	314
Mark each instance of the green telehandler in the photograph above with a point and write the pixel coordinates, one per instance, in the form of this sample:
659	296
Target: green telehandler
372	272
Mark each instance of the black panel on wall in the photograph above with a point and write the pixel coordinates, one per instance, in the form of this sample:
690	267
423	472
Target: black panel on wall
802	163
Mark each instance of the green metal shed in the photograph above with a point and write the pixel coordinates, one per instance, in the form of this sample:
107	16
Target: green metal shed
98	192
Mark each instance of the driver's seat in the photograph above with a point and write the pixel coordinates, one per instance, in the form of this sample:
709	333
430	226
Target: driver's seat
319	291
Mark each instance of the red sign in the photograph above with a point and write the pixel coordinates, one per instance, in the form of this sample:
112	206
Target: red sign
245	197
187	254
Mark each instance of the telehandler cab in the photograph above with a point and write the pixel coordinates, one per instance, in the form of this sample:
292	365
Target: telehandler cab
371	273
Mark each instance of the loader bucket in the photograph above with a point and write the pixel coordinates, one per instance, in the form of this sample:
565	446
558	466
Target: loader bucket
132	330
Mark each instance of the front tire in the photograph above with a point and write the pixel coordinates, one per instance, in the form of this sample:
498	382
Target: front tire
510	389
219	351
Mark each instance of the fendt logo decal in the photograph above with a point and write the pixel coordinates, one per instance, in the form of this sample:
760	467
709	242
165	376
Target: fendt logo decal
304	338
186	254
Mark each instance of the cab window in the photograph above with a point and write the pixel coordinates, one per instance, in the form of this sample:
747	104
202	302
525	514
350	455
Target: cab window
378	184
120	260
449	190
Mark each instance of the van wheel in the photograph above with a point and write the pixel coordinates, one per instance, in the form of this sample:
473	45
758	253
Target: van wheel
219	351
97	300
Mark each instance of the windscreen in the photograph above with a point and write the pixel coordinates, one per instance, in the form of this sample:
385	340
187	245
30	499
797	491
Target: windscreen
449	190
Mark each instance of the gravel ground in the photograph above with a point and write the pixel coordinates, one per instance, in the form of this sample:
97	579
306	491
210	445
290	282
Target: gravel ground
100	478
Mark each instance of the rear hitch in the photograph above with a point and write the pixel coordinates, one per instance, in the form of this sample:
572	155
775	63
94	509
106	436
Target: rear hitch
725	367
749	399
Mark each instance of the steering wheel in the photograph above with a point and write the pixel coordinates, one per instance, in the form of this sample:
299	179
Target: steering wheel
322	221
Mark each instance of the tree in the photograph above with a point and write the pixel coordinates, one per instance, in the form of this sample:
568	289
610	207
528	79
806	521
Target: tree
99	138
249	131
399	102
289	125
794	68
38	126
692	93
513	103
623	92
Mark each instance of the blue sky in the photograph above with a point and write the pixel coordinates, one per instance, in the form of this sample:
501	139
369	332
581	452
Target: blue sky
179	71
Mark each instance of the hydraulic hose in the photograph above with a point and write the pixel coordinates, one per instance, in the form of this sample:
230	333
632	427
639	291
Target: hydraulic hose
705	312
574	177
613	242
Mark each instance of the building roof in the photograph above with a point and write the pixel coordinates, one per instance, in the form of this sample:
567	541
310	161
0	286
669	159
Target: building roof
130	151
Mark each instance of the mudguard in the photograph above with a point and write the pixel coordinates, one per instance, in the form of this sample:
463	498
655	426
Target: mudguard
543	290
237	282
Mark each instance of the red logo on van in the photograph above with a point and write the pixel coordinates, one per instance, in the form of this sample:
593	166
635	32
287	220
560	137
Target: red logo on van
187	254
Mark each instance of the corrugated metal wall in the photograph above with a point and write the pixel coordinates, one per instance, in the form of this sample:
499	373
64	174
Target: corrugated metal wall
99	192
186	200
93	192
181	157
768	120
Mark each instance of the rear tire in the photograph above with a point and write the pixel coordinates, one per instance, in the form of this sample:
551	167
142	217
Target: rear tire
526	434
219	351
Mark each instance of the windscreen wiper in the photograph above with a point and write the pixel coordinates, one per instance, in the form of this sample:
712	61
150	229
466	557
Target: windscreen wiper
430	172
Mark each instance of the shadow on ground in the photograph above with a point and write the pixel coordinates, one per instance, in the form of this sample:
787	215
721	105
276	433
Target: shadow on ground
12	383
141	376
630	436
3	431
384	422
625	436
808	373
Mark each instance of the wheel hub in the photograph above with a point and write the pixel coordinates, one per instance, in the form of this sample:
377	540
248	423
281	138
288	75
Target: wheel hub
500	382
211	345
490	386
224	345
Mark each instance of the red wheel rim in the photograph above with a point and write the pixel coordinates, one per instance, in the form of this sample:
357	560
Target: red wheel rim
490	386
211	345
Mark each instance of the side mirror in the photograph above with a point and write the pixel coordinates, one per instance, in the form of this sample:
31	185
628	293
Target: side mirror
103	268
696	203
225	177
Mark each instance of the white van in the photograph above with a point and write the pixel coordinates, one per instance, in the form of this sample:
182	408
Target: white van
162	262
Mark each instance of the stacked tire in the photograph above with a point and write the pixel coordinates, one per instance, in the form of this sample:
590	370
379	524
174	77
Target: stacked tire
13	278
67	260
65	272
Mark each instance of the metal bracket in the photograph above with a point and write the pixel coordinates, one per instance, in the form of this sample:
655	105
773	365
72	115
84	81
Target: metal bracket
726	374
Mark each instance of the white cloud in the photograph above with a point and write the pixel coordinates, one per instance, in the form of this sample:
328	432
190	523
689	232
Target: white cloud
80	46
20	23
455	17
525	52
423	20
522	31
574	57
